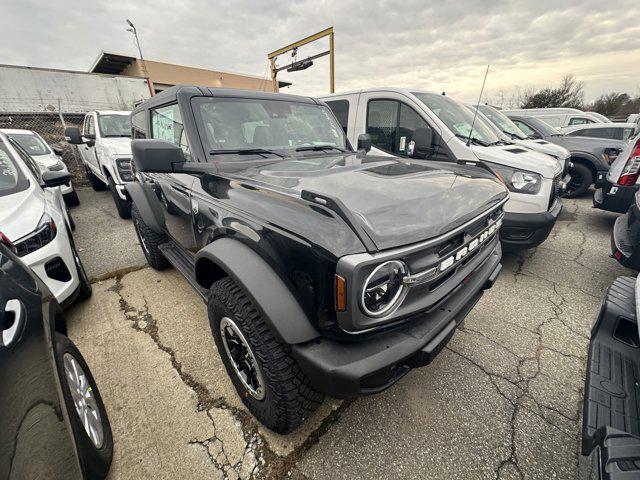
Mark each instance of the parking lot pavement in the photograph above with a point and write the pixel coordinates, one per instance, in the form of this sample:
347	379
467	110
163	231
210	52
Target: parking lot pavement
106	242
502	400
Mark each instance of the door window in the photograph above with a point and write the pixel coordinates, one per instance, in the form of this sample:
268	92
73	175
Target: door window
89	125
166	124
580	121
340	109
382	124
410	121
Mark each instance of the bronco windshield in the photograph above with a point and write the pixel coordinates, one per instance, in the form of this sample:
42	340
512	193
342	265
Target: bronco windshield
244	124
458	118
115	125
501	121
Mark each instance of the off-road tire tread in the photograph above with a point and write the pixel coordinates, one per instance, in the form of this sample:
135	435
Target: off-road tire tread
154	257
586	174
97	184
291	392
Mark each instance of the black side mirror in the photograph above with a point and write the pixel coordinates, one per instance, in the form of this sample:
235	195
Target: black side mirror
420	144
364	142
57	150
156	156
54	178
72	135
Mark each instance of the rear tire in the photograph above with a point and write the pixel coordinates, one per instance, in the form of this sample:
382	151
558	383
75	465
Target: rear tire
95	457
581	180
124	207
149	241
97	184
286	397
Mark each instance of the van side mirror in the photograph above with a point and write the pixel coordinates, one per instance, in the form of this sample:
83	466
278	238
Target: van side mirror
421	142
156	156
72	135
54	178
364	142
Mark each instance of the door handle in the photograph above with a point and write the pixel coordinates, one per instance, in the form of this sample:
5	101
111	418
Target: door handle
14	320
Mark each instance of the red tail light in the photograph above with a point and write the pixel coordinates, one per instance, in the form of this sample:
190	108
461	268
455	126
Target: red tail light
631	170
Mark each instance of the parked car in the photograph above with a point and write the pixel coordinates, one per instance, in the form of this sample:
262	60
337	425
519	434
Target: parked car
610	425
591	157
621	185
509	132
625	236
53	422
326	271
34	218
46	157
105	148
431	126
611	131
562	117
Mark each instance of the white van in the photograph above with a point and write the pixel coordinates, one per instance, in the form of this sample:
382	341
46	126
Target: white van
435	127
562	117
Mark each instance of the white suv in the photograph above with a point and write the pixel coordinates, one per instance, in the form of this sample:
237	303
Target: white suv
46	157
431	126
33	217
105	148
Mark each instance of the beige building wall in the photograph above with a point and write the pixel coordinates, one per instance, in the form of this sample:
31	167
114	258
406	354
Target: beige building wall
165	75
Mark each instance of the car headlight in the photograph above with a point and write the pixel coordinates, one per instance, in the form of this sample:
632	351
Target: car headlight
124	169
384	289
518	181
44	233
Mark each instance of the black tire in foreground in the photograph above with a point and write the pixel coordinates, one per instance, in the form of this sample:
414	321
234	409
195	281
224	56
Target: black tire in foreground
97	184
124	207
87	414
267	378
149	241
581	180
84	290
71	199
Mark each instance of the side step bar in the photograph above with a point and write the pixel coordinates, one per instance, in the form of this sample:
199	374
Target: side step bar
184	264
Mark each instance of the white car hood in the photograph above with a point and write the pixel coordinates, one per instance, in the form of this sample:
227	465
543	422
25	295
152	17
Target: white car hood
543	146
518	157
20	212
117	145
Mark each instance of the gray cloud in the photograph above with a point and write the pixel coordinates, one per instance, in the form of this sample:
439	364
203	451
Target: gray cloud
422	44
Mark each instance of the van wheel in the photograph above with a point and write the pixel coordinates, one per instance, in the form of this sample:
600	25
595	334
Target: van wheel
124	207
581	180
149	241
97	184
268	379
87	414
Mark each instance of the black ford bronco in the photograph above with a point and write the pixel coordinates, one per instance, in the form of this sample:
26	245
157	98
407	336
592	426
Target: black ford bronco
326	271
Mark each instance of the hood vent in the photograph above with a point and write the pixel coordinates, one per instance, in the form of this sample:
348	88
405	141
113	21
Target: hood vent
516	150
542	142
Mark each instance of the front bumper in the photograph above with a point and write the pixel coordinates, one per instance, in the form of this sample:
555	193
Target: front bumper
528	230
611	410
350	369
613	197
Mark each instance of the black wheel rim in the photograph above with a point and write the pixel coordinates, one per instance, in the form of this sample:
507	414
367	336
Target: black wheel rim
242	359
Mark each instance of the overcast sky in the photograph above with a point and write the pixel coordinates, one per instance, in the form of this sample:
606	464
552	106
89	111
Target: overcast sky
432	45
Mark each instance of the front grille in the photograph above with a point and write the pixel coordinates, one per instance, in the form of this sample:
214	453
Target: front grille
555	190
57	270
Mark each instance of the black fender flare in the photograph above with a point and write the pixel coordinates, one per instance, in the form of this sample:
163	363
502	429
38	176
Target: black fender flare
271	296
147	203
590	160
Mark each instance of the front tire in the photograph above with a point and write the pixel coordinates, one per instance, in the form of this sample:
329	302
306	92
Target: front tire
581	180
84	290
124	207
268	379
149	241
97	184
71	199
87	414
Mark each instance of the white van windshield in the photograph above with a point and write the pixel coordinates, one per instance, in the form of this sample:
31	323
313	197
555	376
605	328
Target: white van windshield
501	121
458	118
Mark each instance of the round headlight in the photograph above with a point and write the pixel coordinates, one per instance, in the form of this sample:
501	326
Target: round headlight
383	288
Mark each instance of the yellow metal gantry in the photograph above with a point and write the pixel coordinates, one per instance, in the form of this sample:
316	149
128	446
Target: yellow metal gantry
311	38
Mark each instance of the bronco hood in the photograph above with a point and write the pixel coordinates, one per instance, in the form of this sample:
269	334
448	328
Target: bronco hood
396	201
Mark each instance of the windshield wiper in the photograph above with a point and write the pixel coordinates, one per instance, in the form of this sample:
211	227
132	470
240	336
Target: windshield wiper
246	151
318	148
472	140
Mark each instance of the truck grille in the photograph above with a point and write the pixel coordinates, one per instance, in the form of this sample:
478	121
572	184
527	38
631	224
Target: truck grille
555	191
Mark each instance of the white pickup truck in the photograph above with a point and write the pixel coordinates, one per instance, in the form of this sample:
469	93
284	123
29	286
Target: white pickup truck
105	148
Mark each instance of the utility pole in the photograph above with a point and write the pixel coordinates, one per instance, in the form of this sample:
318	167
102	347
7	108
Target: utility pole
135	34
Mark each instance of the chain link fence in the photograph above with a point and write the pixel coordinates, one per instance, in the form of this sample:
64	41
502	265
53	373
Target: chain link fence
50	127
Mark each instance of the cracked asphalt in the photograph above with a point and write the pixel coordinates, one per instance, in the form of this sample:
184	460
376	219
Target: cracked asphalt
502	400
